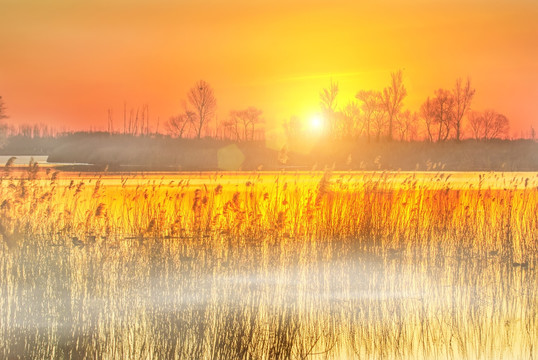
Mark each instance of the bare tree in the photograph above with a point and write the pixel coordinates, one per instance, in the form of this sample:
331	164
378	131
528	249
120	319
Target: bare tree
463	95
350	117
242	123
110	123
438	115
497	125
488	125
328	105
233	125
372	111
203	100
407	125
444	112
380	124
427	114
137	123
392	99
475	124
230	128
3	127
292	129
252	116
3	114
180	125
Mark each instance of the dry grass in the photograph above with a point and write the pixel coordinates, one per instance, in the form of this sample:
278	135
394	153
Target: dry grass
369	265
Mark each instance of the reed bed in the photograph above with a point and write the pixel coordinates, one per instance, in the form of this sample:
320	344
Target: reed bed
263	266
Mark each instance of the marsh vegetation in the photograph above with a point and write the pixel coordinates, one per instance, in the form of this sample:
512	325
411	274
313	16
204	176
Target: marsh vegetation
268	265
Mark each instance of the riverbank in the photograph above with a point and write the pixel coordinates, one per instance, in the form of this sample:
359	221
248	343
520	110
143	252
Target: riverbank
159	153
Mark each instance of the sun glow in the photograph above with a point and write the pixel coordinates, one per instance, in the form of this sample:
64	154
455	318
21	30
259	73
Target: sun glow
316	124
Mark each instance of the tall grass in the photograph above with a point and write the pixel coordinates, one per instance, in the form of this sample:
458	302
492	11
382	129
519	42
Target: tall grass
322	265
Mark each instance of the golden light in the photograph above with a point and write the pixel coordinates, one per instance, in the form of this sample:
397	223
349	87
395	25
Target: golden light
316	124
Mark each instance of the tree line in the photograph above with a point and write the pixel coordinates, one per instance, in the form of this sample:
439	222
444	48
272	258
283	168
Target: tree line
199	111
380	115
372	115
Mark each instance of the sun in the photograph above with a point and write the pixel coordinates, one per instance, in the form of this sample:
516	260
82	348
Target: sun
316	124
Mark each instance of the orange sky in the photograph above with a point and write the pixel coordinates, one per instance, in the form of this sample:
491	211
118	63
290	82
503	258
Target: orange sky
66	62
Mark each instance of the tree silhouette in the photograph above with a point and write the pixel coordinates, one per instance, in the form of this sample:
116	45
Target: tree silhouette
462	94
328	104
392	99
488	125
203	100
242	123
3	114
3	127
250	118
180	125
407	125
230	127
373	114
438	115
350	116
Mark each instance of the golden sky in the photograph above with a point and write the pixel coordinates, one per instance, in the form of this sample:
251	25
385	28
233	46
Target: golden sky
66	62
